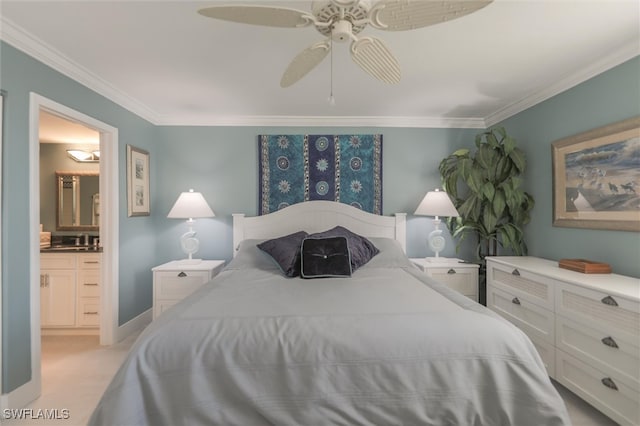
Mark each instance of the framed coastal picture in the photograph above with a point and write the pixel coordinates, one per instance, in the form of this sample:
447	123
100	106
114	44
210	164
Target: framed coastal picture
137	182
596	178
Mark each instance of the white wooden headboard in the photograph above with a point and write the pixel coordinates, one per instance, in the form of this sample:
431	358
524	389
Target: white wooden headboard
317	216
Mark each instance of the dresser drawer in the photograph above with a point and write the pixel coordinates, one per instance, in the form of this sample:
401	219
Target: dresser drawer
599	309
535	288
548	354
535	321
462	280
604	349
178	284
621	403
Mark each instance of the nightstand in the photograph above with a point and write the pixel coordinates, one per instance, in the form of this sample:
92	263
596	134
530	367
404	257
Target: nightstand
461	277
173	281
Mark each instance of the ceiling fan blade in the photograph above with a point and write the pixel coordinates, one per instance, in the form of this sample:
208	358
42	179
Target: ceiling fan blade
260	15
400	15
304	62
371	54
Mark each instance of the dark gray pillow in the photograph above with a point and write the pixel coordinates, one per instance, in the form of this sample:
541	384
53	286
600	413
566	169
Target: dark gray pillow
361	249
325	257
286	252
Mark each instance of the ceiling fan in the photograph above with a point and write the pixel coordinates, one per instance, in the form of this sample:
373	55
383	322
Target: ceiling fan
343	20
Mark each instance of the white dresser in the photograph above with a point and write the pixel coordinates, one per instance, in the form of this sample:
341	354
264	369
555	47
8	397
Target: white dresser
586	327
173	281
454	273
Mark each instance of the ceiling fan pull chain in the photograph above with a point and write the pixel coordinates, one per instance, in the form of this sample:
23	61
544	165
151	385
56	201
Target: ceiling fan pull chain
332	100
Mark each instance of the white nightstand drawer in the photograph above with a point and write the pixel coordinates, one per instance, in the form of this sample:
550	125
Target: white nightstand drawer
172	285
455	274
531	318
174	281
459	279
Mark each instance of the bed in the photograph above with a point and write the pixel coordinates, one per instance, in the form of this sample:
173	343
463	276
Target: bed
385	346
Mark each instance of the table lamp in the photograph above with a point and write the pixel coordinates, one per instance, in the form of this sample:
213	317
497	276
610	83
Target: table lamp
190	205
436	203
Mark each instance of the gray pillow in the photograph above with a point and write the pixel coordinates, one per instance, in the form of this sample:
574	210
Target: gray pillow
286	252
361	249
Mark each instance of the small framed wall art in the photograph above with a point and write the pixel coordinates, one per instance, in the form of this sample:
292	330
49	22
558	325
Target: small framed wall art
137	182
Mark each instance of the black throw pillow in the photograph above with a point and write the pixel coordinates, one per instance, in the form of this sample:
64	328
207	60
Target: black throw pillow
325	257
286	252
361	249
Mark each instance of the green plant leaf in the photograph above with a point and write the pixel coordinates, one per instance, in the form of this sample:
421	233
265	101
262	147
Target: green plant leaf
461	152
489	191
517	157
499	203
509	144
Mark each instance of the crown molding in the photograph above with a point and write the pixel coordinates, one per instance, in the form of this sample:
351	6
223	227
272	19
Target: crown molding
325	121
38	49
617	57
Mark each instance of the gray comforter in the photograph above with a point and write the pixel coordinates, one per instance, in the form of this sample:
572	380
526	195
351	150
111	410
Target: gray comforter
387	346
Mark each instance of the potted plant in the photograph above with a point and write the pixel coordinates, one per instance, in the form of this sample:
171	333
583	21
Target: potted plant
485	188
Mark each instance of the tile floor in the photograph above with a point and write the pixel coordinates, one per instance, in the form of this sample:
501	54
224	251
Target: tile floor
76	370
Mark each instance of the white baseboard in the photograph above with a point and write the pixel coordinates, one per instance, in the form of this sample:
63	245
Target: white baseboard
21	396
134	325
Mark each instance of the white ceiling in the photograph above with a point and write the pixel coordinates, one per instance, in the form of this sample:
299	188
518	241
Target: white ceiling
172	66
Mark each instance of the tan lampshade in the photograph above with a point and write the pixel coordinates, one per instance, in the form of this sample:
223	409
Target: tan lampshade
436	203
190	205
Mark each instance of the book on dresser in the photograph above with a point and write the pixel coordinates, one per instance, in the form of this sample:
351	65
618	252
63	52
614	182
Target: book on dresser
586	327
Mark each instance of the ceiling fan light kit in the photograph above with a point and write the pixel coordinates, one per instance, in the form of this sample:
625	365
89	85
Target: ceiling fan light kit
342	21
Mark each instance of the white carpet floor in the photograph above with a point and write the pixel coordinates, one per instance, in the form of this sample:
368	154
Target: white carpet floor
76	370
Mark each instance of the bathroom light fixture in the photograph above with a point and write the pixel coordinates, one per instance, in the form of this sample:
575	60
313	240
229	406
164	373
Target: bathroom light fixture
190	205
436	203
84	156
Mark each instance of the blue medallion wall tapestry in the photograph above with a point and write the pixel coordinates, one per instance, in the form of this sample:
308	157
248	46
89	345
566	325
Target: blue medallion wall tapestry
343	168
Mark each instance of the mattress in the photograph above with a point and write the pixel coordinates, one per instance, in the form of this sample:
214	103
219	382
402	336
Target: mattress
386	346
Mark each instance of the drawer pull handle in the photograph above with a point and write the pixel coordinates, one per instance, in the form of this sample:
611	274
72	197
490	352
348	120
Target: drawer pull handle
608	341
451	271
91	313
91	284
92	262
515	301
609	301
182	274
515	272
608	382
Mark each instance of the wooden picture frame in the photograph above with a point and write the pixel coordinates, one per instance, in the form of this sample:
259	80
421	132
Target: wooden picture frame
596	178
138	197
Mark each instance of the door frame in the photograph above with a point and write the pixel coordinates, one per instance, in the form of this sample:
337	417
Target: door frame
109	226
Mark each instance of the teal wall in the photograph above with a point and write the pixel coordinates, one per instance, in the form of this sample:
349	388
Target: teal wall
610	97
221	162
20	75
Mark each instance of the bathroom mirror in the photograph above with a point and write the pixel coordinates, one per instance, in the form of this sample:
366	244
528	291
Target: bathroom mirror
78	201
